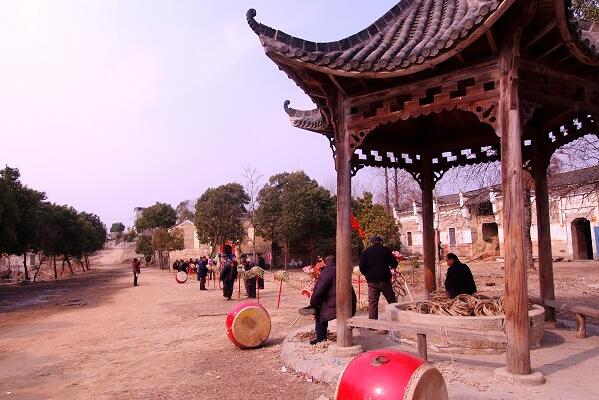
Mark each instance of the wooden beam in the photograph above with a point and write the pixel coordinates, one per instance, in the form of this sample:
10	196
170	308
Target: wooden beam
336	83
428	231
460	58
429	330
344	261
548	28
551	50
510	130
541	162
492	42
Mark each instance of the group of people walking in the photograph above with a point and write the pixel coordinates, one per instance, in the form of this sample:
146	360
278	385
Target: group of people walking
203	267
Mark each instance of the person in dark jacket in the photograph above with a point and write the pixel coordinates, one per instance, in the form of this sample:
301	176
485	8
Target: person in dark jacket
250	284
228	276
459	279
324	300
375	264
202	272
261	264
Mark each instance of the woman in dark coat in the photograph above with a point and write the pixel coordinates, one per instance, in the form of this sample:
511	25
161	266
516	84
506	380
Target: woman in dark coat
324	299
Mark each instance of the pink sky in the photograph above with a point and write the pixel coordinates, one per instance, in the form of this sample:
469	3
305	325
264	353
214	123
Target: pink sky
111	104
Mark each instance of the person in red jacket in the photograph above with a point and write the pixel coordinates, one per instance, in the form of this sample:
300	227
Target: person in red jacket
136	265
323	303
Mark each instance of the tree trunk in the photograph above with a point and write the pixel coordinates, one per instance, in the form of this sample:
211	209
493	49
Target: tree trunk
387	198
286	254
527	227
86	259
396	187
25	266
81	264
39	267
62	267
54	265
66	258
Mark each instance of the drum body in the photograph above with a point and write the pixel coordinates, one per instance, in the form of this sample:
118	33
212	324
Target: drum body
390	375
248	325
181	277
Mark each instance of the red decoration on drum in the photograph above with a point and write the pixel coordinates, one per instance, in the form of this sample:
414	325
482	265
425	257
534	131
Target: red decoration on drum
181	277
307	293
390	375
248	325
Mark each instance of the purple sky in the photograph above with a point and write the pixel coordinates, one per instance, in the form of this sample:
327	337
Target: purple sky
111	104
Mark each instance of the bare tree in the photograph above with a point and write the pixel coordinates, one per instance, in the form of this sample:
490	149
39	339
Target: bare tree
251	182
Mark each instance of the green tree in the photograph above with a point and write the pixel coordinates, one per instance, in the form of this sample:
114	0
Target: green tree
94	235
294	208
220	213
130	235
160	215
144	246
184	212
163	240
29	205
375	221
117	227
9	218
587	10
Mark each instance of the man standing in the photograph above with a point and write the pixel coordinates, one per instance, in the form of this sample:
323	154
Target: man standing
459	279
374	265
250	284
202	272
136	270
228	275
323	302
261	264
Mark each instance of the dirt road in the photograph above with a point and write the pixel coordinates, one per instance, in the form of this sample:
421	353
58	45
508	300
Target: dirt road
96	336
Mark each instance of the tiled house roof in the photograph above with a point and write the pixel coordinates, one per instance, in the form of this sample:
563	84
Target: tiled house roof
411	33
311	120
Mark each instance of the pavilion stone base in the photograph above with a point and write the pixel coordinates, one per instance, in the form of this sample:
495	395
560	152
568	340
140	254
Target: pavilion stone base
444	343
325	361
535	378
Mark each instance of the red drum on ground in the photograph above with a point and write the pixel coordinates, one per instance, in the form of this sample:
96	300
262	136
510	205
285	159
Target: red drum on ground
181	277
390	375
248	325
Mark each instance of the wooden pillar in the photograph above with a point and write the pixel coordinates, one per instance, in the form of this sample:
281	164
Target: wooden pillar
428	229
543	224
344	261
510	128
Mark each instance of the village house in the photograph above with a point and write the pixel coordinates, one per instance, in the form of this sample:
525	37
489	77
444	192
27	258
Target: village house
470	224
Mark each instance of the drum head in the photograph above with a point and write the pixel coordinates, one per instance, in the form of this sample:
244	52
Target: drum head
426	383
181	277
251	326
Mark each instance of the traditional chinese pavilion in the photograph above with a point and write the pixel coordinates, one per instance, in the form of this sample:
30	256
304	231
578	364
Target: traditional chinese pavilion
435	84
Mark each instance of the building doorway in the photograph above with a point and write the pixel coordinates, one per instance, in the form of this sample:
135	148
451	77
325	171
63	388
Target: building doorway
490	232
582	245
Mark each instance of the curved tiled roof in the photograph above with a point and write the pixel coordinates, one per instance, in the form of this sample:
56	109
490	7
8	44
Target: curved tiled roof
311	120
581	37
587	35
409	34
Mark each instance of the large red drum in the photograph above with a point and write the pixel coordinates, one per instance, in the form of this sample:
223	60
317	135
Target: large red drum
181	277
248	325
390	375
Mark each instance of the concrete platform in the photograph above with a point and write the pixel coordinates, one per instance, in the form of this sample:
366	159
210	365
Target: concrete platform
568	364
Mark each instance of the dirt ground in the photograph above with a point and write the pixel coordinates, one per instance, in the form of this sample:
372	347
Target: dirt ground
96	336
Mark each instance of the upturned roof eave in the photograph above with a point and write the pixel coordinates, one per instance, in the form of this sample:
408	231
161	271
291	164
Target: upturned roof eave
285	54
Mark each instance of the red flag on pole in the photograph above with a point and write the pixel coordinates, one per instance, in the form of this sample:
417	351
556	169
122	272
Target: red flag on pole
355	224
